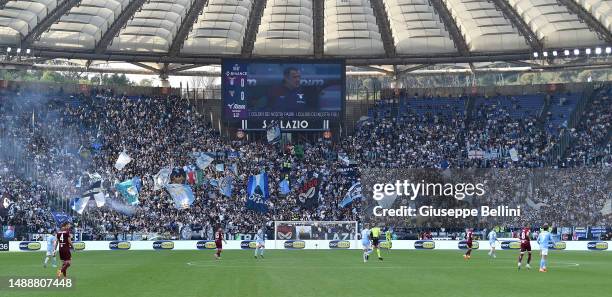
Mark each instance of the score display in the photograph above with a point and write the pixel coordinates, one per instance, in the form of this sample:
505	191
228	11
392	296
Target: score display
301	95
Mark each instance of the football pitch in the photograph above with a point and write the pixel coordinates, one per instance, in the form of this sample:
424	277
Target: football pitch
315	273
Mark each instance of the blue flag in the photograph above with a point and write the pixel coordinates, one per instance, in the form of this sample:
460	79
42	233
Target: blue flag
61	217
182	195
220	167
273	132
129	189
284	187
354	193
226	186
258	192
203	160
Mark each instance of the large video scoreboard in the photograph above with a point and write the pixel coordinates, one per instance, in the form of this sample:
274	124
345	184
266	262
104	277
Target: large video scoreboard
301	95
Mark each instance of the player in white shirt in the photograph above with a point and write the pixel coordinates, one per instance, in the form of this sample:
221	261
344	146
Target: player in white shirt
492	241
365	242
50	250
261	243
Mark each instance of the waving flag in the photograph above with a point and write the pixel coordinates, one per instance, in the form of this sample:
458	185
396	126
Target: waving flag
226	186
308	196
129	189
273	132
61	217
78	204
95	190
354	193
203	160
283	187
123	160
161	179
182	195
220	167
258	192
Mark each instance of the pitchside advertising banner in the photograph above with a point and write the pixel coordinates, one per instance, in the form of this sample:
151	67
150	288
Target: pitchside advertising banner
204	245
302	95
465	198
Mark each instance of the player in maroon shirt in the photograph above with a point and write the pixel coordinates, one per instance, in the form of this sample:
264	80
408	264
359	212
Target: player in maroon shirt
525	247
219	240
65	244
469	235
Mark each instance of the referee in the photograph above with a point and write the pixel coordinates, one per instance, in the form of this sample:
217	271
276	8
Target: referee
375	236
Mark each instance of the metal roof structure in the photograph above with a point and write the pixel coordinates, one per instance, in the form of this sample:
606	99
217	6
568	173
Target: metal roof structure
364	32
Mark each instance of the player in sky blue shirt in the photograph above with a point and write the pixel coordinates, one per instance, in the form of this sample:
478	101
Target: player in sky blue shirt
50	250
544	239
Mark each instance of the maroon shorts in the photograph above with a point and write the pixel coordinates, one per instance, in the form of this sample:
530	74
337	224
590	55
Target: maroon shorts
525	246
65	255
219	244
469	244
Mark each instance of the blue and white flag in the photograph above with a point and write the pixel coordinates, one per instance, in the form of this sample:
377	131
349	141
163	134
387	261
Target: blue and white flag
226	186
258	192
61	217
95	190
344	158
233	154
129	189
203	160
354	193
283	187
161	179
214	183
273	132
220	167
78	204
234	168
182	195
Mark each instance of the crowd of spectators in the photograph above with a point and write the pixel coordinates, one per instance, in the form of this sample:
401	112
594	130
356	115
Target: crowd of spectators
48	145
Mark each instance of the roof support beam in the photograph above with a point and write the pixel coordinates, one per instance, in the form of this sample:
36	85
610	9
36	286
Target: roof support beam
532	39
410	69
205	60
382	19
119	23
318	30
145	66
252	27
589	19
192	15
183	68
451	26
44	25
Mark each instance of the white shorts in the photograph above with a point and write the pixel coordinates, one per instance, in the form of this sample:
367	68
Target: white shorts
261	243
544	252
492	243
365	244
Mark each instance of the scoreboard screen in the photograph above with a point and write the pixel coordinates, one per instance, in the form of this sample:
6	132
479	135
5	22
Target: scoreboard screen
301	95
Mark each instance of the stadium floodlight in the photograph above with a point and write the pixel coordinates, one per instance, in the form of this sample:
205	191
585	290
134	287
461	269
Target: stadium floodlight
8	50
545	54
554	53
576	52
535	54
608	50
28	51
598	50
587	51
566	52
18	50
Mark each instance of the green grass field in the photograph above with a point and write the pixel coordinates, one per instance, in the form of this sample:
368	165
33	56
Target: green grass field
316	273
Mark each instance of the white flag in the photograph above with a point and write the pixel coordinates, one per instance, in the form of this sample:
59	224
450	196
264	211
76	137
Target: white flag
123	160
161	179
100	199
607	209
514	155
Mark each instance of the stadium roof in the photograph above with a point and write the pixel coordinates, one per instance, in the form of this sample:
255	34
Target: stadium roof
365	32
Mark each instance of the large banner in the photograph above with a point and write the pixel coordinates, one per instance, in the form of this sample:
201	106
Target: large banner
258	192
308	194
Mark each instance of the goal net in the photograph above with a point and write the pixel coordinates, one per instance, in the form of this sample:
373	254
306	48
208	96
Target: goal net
316	230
